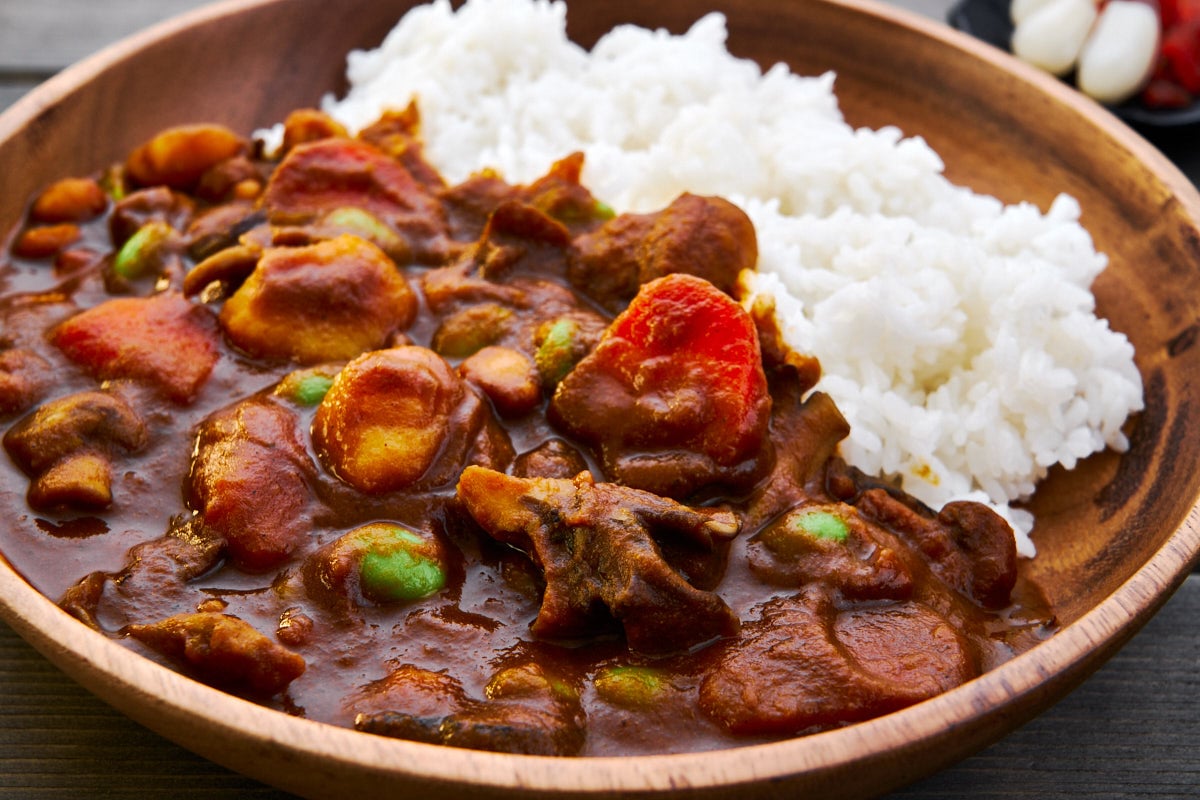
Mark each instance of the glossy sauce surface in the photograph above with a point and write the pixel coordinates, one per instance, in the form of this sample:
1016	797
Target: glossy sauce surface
653	547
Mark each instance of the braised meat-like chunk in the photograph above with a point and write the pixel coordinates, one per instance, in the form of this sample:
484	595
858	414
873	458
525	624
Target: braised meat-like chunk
516	238
403	418
223	651
807	664
596	546
811	427
328	301
558	194
703	236
674	397
967	544
250	481
989	546
525	711
408	703
154	578
318	177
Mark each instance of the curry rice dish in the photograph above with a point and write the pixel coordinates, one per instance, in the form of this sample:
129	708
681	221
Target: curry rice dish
470	462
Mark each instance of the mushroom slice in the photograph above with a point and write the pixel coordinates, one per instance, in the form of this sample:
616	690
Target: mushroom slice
67	445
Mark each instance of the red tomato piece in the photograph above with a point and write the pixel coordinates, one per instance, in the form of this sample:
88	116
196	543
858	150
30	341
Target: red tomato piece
164	341
682	313
677	379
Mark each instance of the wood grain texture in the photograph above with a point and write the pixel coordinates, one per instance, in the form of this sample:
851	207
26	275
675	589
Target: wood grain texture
1139	710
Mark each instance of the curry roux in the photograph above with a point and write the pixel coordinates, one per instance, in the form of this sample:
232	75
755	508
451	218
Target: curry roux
484	465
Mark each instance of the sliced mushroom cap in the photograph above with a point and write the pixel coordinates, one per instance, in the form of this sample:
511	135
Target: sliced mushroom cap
67	445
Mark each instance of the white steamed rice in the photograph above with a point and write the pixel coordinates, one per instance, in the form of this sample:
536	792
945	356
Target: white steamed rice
958	335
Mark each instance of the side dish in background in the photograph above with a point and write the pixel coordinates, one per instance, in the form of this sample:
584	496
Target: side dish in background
1117	49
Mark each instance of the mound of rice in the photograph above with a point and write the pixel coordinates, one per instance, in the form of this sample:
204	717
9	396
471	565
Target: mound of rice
958	335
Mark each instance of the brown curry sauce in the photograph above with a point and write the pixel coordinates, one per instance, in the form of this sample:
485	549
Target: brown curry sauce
484	465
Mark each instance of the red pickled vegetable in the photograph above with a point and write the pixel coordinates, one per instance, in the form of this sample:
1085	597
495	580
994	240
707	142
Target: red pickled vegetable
1174	12
1181	51
1161	93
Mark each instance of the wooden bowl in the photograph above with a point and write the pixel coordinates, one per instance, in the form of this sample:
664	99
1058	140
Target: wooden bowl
1116	536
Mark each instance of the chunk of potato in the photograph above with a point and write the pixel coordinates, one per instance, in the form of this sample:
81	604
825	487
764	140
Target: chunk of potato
329	301
383	422
70	200
507	376
179	156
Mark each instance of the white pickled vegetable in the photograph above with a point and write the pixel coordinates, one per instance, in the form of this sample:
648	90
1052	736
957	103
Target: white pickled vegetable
1052	36
1020	10
1119	55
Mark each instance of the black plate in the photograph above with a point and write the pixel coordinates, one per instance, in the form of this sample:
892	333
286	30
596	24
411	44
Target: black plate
989	21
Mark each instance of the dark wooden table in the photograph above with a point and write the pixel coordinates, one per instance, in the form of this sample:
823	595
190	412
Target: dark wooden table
1132	730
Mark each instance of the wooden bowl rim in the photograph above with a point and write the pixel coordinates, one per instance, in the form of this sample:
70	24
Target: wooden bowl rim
118	674
128	680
